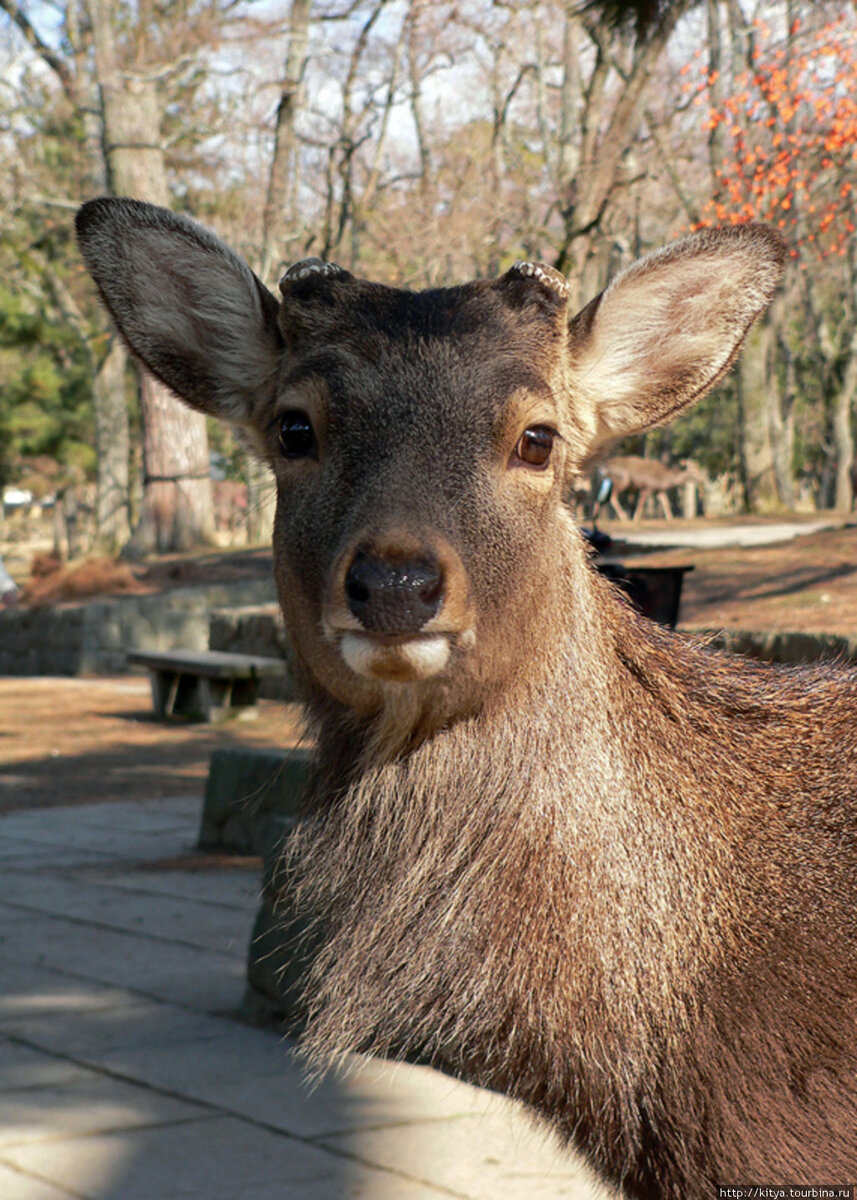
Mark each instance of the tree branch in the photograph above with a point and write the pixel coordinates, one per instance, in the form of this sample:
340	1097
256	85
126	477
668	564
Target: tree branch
36	43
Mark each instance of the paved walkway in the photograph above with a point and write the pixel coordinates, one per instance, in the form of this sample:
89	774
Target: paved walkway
704	536
124	1075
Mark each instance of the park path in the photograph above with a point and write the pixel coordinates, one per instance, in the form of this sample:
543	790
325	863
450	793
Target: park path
702	535
125	1075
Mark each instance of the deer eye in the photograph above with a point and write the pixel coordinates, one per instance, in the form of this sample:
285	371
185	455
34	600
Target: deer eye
295	435
534	446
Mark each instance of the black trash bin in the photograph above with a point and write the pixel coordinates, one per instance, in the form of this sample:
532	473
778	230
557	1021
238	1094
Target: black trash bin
654	591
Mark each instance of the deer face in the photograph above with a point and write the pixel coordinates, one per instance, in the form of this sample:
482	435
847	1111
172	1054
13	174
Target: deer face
421	441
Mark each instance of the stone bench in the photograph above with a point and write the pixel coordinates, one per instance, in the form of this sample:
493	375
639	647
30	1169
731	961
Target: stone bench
206	685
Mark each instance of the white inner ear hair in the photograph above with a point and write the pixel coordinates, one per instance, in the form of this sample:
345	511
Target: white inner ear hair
548	277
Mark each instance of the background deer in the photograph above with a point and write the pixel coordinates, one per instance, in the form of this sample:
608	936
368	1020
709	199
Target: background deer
581	860
648	477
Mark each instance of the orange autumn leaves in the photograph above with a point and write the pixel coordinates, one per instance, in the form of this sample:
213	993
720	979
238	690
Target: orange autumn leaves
790	145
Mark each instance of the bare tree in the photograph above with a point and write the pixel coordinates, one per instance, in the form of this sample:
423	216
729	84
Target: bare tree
108	370
277	220
607	107
127	90
177	510
278	232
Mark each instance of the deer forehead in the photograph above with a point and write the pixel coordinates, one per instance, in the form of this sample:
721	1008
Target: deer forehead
322	304
442	359
439	364
442	389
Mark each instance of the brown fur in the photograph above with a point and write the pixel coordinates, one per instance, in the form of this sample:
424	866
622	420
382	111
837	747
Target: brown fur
563	852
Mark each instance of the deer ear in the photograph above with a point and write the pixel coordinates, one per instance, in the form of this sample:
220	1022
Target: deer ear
190	309
663	333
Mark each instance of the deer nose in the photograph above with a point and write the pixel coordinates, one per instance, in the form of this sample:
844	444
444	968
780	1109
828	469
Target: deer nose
391	596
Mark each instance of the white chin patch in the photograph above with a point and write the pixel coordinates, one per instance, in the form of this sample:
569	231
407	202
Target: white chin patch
418	659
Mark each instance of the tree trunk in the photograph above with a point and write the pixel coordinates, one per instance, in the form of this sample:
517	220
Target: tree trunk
781	430
261	500
112	446
568	153
843	439
757	456
689	499
277	228
780	407
277	220
177	511
604	142
717	132
415	102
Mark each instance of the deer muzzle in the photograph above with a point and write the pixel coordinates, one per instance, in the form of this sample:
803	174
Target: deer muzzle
393	598
396	609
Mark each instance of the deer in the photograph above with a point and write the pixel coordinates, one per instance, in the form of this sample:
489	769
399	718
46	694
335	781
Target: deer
648	477
569	855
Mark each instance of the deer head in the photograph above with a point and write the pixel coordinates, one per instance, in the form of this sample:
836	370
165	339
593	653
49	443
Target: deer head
422	441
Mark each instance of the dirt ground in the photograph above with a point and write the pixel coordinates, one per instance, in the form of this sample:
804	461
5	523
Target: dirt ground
50	582
66	741
808	584
74	741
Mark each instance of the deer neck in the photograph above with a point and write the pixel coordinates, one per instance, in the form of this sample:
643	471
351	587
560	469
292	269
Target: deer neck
506	846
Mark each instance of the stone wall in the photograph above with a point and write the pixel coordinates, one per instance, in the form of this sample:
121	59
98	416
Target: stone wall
255	629
246	788
94	638
243	617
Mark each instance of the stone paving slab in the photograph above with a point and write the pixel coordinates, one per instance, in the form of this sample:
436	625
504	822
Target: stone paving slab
225	887
177	814
359	1100
164	970
17	1186
511	1159
256	1077
30	990
93	1036
157	916
179	1051
21	1067
137	831
217	1159
123	1076
23	851
73	845
246	1072
90	1103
